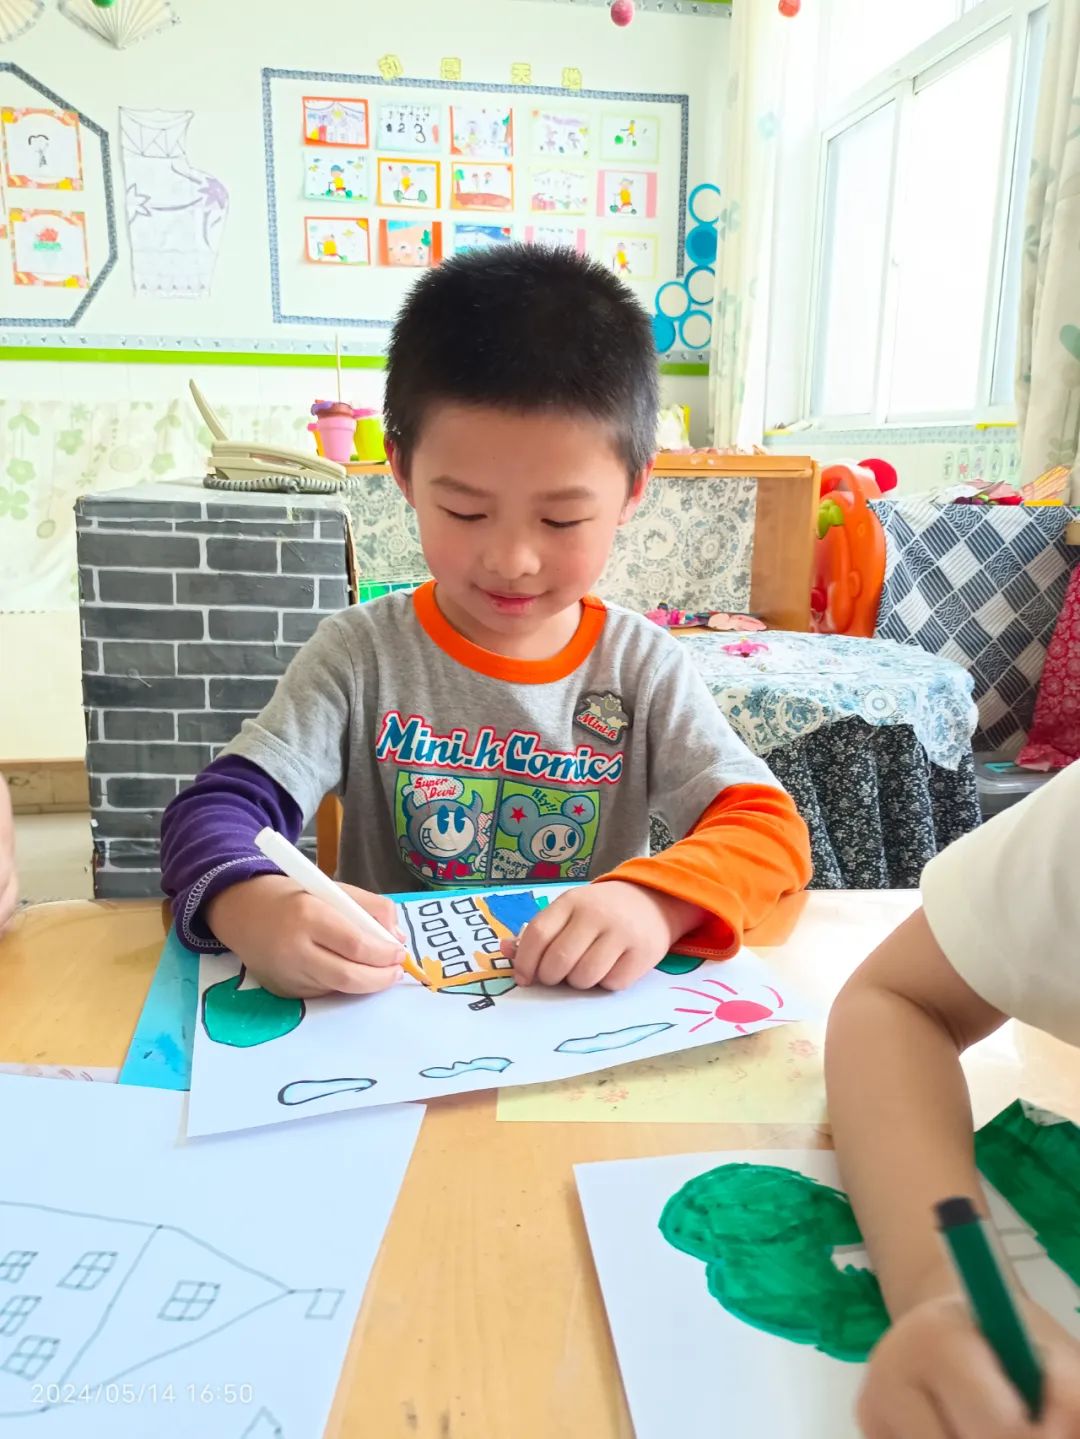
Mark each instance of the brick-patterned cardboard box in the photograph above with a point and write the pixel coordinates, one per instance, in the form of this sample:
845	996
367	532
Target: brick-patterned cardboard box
193	602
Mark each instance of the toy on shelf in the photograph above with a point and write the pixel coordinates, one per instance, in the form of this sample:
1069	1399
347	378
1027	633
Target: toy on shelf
622	12
849	552
342	432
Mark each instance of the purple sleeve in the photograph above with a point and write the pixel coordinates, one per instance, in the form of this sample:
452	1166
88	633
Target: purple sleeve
208	839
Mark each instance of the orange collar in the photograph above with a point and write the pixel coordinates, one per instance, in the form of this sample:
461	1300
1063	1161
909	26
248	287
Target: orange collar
503	667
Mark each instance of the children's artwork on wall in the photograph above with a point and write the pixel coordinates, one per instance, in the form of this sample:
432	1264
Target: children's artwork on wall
632	257
410	244
481	132
481	185
345	175
49	248
42	149
758	1256
559	135
337	240
176	212
558	190
628	192
412	129
336	122
630	137
556	237
138	1302
457	1021
480	237
409	183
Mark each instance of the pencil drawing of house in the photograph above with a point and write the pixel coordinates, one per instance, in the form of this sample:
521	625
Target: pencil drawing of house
88	1300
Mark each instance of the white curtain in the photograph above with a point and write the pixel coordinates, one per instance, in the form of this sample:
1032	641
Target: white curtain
1048	363
750	131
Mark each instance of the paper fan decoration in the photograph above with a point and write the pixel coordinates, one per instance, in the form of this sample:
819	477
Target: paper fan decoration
16	16
123	23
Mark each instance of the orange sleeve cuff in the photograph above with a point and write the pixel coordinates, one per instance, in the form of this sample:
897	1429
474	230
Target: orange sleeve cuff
748	850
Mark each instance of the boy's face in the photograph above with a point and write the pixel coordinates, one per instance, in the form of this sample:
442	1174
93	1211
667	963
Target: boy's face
517	513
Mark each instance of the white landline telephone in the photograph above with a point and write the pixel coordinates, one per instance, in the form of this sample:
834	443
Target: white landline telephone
243	465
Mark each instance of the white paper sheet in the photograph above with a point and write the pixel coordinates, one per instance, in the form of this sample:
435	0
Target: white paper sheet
691	1368
258	1060
156	1287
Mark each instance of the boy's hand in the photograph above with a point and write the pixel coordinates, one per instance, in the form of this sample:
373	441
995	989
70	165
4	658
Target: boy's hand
933	1376
297	946
602	934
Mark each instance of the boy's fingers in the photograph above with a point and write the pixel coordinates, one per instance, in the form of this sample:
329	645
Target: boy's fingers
596	963
565	950
328	929
626	971
341	976
377	905
534	940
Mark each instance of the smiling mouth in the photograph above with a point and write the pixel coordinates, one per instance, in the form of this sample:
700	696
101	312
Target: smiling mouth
509	601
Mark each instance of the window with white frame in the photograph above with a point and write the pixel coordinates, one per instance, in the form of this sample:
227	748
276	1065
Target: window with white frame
924	174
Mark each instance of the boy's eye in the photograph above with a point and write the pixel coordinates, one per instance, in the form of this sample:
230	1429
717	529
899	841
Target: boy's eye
455	515
563	524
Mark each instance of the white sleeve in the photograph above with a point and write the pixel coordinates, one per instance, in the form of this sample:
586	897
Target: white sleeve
1004	905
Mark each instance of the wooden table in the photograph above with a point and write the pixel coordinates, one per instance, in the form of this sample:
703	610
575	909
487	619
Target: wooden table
483	1318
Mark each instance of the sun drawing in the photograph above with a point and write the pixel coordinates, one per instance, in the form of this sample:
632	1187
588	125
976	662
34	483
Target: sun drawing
736	1012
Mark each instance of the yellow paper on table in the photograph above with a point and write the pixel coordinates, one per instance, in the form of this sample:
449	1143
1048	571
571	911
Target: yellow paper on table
772	1077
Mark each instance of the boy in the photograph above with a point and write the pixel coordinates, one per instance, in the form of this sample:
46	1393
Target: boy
998	936
500	724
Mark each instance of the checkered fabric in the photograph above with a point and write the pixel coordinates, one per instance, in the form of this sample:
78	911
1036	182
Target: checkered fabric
981	585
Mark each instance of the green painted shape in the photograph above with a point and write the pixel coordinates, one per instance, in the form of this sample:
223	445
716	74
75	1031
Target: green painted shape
246	1017
766	1236
679	964
1036	1167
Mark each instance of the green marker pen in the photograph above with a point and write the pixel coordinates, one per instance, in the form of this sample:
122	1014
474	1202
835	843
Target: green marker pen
991	1302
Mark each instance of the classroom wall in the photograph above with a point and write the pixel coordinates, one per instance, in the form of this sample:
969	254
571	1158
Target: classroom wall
211	63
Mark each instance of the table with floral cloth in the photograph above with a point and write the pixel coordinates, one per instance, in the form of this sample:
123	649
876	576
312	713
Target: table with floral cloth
871	739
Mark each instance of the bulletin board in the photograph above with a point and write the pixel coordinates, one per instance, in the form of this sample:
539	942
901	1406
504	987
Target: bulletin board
194	220
370	181
58	239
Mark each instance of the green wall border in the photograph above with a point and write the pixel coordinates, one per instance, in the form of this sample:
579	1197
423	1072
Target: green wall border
57	354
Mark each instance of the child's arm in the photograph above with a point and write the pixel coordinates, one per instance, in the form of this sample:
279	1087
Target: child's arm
745	846
996	936
225	893
9	888
901	1122
749	849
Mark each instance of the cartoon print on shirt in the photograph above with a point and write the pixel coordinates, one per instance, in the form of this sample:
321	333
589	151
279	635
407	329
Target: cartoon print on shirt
444	827
552	832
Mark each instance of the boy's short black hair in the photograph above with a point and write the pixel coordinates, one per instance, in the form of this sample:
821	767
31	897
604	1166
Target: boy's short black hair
525	328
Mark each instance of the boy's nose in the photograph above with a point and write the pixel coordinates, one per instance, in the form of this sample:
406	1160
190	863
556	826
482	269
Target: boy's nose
511	560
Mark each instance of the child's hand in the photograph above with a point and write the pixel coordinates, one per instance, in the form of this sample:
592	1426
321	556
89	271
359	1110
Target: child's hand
602	934
933	1376
297	946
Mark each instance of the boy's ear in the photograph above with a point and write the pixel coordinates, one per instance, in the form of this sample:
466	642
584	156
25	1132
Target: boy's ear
401	477
637	491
